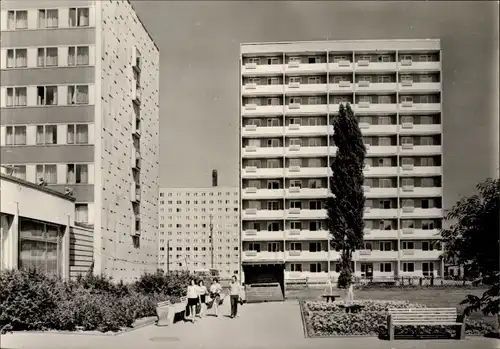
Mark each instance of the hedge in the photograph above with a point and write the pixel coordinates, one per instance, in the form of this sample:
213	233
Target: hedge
330	319
31	300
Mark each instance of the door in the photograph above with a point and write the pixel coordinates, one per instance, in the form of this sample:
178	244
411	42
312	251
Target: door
367	270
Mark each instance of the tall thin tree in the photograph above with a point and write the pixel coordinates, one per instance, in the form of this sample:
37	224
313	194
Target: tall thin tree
345	207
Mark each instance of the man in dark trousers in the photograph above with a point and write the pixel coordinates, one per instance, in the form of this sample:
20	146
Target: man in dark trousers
234	294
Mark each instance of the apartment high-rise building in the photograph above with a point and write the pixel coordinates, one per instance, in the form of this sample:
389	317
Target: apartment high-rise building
194	222
80	114
290	93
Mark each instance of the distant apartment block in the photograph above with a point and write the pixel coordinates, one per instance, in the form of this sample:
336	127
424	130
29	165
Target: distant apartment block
188	219
80	114
290	93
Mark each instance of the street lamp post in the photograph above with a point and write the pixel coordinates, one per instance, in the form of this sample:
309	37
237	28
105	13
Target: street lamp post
211	243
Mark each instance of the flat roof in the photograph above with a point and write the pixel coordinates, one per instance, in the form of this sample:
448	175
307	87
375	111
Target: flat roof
341	45
144	26
31	185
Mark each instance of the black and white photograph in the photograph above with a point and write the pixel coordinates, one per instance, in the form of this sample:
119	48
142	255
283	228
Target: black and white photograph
249	174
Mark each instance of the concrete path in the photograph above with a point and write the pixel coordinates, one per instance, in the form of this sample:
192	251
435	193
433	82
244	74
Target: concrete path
268	325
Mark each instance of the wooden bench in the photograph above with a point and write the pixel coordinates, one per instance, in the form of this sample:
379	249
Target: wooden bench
427	317
330	297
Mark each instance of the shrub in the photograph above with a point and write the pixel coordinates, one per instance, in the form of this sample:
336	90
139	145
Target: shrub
330	319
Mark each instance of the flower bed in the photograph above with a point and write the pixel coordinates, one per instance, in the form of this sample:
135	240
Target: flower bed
30	300
329	319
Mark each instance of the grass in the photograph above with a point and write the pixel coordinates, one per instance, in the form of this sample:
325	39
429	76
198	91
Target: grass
432	297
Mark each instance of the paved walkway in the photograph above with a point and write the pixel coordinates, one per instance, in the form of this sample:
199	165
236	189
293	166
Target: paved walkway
268	325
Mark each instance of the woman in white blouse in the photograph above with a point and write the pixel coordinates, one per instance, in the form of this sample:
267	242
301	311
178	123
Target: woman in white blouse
193	298
202	290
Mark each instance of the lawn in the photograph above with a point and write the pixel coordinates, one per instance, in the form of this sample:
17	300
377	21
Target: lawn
431	297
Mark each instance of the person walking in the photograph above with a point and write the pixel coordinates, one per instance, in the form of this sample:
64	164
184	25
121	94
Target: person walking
202	291
193	298
215	294
234	292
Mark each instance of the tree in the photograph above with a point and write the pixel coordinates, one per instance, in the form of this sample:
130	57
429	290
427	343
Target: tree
346	207
472	242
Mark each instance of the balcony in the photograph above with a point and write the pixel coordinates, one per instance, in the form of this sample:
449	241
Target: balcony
252	89
136	93
305	89
135	160
305	214
381	150
410	192
135	192
372	193
379	87
253	131
410	66
264	69
308	172
420	255
379	234
305	193
306	256
136	61
416	108
262	152
412	129
262	235
334	255
291	275
256	214
340	67
298	130
377	171
254	172
418	212
296	234
416	234
366	66
410	86
410	170
261	110
306	109
262	194
254	256
305	68
412	150
380	213
341	87
371	108
375	255
378	130
299	151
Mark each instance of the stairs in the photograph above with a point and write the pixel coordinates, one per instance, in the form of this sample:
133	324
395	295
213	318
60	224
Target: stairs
265	292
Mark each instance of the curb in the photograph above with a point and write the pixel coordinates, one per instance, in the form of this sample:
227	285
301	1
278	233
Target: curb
88	333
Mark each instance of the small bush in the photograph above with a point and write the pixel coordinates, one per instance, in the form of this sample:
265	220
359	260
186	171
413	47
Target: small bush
330	319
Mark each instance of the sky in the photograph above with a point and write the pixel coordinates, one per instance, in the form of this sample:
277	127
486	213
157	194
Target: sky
199	48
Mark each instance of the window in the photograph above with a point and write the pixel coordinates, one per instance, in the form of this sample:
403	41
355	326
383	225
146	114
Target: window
339	99
365	78
407	119
273	163
314	100
426	58
297	267
384	100
338	79
426	141
315	183
17	19
408	224
78	55
295	60
273	60
315	267
295	183
385	267
295	100
365	99
315	247
425	78
40	246
314	163
408	245
427	246
295	141
367	246
427	268
254	60
408	203
314	122
315	226
82	213
408	267
315	205
273	205
78	17
78	94
365	58
407	99
314	80
296	225
406	78
47	57
384	141
77	134
16	96
296	204
17	58
427	225
314	142
427	183
273	122
15	135
274	226
407	140
384	79
273	81
77	174
427	162
406	57
273	184
273	247
48	18
46	134
47	172
407	182
385	246
46	95
337	59
295	121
